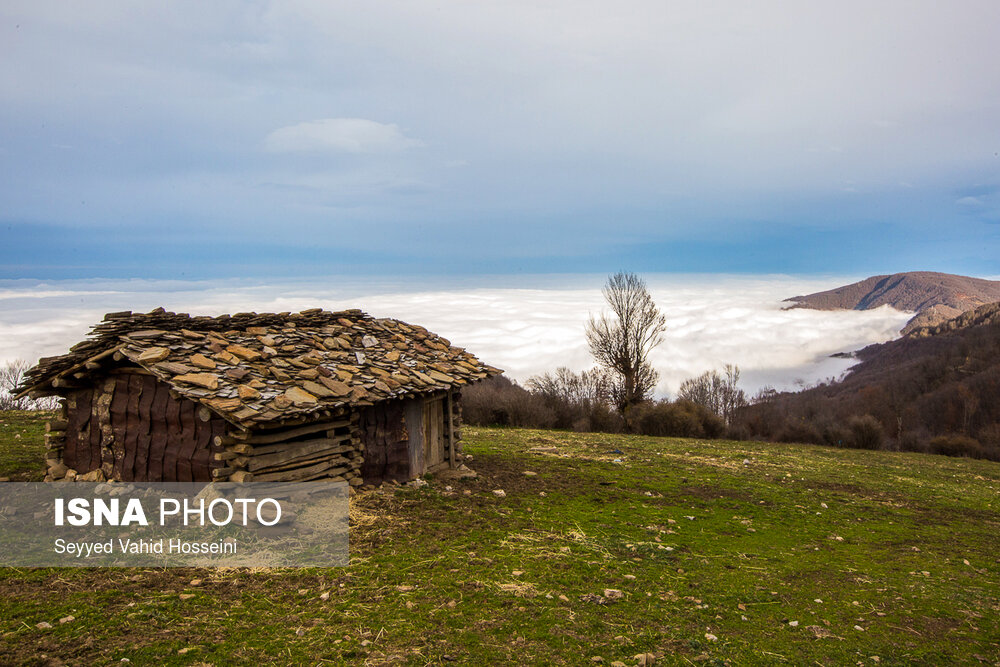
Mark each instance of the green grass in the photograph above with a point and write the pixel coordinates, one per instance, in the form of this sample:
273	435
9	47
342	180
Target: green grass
22	449
700	544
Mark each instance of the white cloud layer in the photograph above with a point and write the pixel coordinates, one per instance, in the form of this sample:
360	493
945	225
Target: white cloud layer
340	135
711	320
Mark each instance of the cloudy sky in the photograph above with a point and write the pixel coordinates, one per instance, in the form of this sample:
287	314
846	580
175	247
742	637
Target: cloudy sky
197	140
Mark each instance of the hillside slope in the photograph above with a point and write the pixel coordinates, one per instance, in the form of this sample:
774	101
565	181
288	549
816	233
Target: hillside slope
697	552
935	297
936	381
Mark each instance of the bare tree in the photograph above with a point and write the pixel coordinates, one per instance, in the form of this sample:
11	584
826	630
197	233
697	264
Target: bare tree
717	392
622	343
11	375
586	388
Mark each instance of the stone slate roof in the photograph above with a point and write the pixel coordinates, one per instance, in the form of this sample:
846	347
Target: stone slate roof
253	369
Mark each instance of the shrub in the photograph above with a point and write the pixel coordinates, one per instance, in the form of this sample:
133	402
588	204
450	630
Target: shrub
957	445
913	441
763	421
681	419
800	431
601	418
737	432
498	401
866	432
834	435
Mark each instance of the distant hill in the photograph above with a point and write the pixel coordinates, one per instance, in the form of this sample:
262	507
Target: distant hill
935	297
936	381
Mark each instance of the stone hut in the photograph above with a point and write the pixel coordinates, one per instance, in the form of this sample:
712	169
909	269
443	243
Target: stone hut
255	397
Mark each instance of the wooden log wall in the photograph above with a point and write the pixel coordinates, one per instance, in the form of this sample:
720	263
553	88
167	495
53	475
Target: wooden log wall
131	427
453	430
330	449
383	431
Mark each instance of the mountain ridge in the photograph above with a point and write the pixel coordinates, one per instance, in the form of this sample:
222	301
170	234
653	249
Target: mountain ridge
934	297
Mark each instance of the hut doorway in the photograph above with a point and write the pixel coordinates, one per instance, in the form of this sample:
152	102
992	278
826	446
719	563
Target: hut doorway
433	435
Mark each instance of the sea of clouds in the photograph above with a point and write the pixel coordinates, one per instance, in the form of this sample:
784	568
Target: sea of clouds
524	324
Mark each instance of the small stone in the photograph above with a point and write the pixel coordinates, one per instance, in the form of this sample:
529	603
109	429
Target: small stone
597	658
564	598
644	659
195	582
299	632
316	389
43	625
224	404
710	637
794	624
859	628
823	505
338	388
244	353
67	619
186	596
324	596
613	594
153	354
517	573
499	493
206	380
630	576
529	473
201	361
299	396
187	649
365	642
96	475
247	393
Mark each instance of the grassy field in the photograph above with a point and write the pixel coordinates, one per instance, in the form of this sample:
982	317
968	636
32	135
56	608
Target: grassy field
698	552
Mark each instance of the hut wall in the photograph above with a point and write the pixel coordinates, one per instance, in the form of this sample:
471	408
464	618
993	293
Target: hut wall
130	427
404	439
329	447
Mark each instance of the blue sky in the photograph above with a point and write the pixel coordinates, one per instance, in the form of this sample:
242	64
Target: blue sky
198	140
